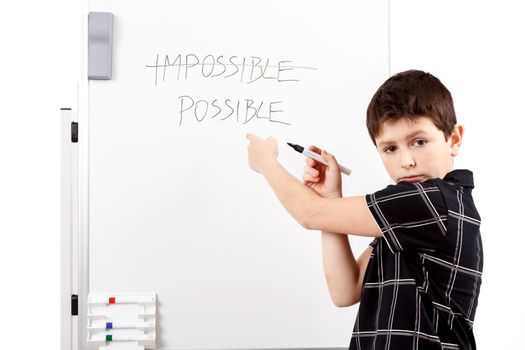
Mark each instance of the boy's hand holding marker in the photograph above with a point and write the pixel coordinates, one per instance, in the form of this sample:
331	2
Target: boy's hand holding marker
325	180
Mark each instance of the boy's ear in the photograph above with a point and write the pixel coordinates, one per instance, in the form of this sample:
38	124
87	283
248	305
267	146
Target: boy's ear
455	139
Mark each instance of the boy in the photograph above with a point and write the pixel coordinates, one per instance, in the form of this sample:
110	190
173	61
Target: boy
418	282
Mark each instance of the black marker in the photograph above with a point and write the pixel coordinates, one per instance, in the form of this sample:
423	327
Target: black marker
317	157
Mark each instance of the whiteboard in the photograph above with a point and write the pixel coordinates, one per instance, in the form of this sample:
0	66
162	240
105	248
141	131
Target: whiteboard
170	204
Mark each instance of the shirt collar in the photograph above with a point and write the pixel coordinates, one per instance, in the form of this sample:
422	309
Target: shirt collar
462	177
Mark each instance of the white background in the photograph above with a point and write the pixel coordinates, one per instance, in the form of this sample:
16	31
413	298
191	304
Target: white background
475	48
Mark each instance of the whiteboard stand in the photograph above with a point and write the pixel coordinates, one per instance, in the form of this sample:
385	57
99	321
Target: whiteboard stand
69	229
120	321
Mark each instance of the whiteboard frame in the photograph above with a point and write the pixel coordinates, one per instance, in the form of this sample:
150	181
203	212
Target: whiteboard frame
66	241
69	243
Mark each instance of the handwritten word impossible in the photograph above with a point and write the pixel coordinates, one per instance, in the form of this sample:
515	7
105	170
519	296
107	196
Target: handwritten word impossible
246	70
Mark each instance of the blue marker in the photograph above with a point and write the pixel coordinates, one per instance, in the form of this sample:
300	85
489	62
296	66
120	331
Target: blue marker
317	157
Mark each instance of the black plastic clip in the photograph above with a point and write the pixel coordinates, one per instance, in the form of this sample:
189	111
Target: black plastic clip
74	304
74	132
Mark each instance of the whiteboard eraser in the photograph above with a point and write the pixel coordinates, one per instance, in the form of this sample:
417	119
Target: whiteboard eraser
100	45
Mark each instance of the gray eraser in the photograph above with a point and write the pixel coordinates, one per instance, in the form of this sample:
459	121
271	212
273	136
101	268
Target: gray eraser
100	45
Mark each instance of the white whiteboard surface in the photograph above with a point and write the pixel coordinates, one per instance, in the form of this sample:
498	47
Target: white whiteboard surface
171	205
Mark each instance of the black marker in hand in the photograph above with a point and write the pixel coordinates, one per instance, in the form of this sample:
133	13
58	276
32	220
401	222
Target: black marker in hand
317	157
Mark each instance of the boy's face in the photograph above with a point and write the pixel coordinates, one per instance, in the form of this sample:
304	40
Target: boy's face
416	150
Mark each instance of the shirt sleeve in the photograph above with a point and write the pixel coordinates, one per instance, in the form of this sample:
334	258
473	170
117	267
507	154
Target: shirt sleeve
411	215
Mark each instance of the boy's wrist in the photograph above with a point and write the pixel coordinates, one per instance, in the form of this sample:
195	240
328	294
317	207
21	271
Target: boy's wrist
269	166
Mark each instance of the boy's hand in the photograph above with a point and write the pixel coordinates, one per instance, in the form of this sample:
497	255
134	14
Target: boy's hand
261	153
325	180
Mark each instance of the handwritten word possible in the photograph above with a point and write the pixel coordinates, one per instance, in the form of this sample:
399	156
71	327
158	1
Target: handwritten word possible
246	70
242	111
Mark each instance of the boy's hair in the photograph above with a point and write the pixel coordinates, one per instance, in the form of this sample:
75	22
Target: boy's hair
411	94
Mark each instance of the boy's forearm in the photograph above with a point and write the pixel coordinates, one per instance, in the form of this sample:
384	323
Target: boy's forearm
296	197
340	268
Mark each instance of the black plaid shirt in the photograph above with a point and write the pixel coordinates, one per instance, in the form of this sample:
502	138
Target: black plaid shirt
421	286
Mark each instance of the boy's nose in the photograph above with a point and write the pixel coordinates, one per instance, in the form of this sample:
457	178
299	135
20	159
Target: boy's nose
407	161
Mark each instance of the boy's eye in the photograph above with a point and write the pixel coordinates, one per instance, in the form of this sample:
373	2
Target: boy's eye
419	142
389	149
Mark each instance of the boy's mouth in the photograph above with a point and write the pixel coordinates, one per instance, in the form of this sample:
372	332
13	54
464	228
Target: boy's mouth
412	178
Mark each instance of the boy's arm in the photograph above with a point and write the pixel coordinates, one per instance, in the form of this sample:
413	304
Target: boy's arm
344	275
342	215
